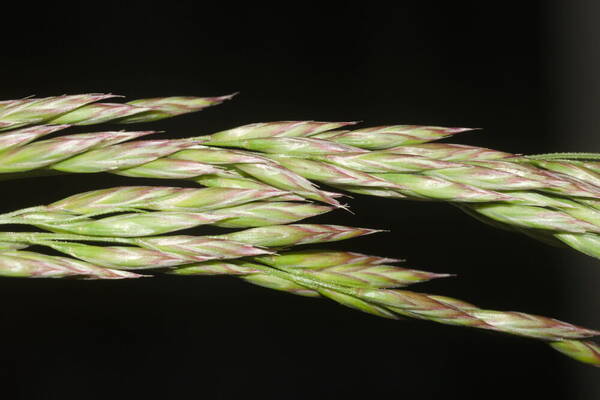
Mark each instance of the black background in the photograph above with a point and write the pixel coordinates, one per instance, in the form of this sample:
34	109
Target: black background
476	64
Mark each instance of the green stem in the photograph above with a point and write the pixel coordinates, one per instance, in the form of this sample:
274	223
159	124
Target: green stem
562	156
22	211
40	237
9	218
296	276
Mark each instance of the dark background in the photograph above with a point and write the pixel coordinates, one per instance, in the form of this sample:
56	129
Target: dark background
494	65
